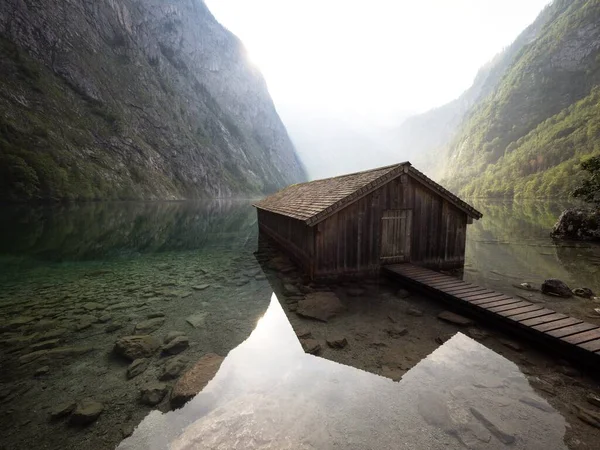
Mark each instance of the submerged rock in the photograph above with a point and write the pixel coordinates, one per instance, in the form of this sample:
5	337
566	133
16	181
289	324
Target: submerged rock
396	331
150	325
196	320
578	224
173	368
195	379
355	292
337	341
153	393
172	335
448	316
176	345
62	410
137	367
41	371
414	312
402	293
554	286
588	416
583	292
135	347
311	346
320	305
86	412
200	287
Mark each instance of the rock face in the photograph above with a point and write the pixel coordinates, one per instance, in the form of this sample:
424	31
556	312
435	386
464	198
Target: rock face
135	100
578	224
194	380
135	347
320	305
554	286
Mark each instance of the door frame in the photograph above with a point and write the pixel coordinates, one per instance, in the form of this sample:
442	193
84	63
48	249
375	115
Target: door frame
384	260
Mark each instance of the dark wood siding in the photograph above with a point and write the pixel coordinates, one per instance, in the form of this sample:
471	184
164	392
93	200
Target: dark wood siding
293	235
439	230
348	243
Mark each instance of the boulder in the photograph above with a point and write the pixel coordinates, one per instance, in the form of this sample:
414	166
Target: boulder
578	224
337	341
195	379
177	345
150	325
455	319
153	393
86	412
137	367
553	286
135	347
311	346
173	368
402	293
320	305
583	292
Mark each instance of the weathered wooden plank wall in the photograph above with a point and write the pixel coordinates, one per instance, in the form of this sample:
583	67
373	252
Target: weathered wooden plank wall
293	235
349	242
439	230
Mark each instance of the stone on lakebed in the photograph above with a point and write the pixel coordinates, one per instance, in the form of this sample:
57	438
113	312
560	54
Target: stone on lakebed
86	412
135	347
448	316
195	379
320	305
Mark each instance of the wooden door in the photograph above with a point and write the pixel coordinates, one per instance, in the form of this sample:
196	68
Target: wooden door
395	236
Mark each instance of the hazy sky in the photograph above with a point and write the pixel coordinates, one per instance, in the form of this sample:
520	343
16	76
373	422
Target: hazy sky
376	58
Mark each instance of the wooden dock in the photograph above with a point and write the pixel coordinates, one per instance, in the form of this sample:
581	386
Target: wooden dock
568	335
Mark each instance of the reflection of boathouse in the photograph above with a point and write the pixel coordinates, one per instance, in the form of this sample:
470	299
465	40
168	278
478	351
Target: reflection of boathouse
353	224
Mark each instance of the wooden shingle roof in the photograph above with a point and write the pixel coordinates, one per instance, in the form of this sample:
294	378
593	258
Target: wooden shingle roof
313	201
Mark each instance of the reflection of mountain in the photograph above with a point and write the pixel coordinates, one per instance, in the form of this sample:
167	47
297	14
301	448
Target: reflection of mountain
94	230
512	241
269	394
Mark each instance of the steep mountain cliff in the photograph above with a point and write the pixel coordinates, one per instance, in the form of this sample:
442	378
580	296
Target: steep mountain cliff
133	99
425	139
527	137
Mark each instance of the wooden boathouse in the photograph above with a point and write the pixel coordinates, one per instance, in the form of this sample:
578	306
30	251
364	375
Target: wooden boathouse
353	224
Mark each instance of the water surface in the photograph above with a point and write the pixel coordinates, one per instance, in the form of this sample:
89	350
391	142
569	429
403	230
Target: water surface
75	278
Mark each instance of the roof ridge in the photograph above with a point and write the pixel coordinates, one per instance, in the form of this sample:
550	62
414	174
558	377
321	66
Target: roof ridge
355	173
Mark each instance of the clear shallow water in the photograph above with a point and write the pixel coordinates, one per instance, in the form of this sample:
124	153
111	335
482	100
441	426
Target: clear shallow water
73	279
511	245
268	393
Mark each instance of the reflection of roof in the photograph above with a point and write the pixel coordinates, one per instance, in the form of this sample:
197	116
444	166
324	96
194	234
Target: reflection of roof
311	202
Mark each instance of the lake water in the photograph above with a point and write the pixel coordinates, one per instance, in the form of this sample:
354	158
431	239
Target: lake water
74	279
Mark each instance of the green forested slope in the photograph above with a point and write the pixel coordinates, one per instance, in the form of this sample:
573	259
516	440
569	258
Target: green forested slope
527	137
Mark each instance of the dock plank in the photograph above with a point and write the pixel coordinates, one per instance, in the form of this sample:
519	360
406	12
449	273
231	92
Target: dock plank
541	320
570	334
